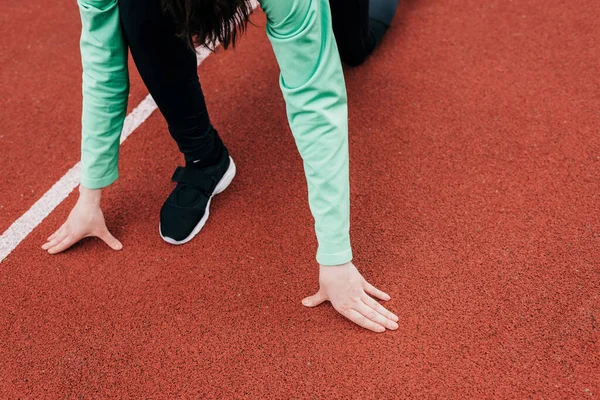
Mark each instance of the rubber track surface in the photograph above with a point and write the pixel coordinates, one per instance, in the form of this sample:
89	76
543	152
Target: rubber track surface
475	162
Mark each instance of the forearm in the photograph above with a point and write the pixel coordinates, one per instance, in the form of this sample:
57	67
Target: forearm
313	85
105	91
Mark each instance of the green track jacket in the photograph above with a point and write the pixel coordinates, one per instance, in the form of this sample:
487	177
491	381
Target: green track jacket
312	83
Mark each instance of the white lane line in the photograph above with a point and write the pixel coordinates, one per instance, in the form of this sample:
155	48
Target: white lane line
23	226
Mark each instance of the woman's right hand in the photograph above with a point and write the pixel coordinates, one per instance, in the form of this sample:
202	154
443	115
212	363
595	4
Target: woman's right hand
86	219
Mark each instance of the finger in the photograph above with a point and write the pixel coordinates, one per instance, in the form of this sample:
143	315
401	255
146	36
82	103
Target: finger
65	244
56	233
373	291
60	236
374	316
361	320
379	308
52	243
315	299
110	240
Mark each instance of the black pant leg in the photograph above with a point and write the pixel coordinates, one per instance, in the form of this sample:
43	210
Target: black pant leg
359	25
169	70
351	28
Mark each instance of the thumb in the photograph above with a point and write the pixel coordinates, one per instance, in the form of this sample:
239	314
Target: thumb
110	240
315	299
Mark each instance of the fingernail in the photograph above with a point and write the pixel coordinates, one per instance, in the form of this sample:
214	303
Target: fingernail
394	326
395	318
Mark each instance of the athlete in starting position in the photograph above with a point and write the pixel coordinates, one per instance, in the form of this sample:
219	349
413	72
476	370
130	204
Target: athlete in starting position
161	36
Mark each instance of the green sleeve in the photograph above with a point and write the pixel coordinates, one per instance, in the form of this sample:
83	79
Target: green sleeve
105	91
313	86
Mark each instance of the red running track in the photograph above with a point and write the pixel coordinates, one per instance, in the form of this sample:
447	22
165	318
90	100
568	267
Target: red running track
475	161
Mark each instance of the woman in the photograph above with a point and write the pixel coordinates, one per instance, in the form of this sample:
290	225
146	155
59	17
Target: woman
161	36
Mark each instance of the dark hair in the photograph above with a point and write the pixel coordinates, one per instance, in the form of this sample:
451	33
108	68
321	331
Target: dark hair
209	22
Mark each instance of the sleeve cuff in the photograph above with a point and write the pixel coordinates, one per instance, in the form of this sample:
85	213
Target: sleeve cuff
331	259
99	183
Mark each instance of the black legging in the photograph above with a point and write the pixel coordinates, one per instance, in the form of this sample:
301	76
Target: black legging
353	35
168	66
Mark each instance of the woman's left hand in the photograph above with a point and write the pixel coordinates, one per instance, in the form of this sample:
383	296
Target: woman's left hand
350	294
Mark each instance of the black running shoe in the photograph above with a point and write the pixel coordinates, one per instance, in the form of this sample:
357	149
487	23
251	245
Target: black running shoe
186	209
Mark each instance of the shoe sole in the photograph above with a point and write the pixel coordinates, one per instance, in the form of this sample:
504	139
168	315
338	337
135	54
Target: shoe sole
221	186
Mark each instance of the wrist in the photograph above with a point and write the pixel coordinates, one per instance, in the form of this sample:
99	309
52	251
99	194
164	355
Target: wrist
90	196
